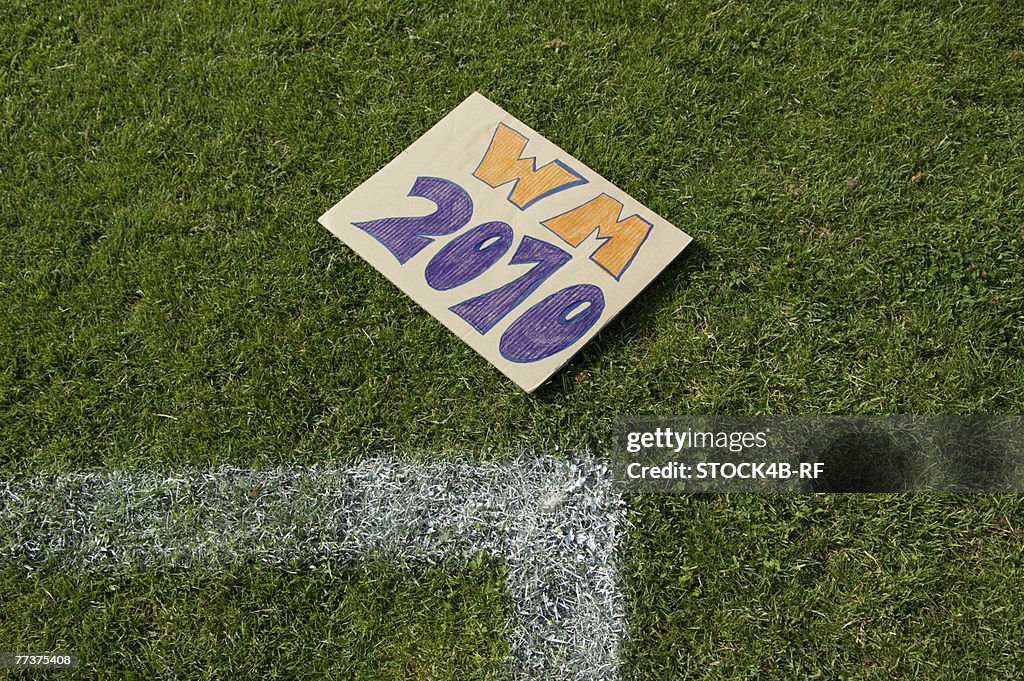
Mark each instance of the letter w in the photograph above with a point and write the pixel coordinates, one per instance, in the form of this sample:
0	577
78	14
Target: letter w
504	163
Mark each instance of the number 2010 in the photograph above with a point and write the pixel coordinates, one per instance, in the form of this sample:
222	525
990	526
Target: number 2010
545	329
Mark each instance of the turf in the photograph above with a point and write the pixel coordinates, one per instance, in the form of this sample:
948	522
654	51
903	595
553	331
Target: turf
828	586
371	622
851	175
851	178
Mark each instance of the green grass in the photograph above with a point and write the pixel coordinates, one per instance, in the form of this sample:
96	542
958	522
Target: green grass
171	299
852	178
829	586
367	623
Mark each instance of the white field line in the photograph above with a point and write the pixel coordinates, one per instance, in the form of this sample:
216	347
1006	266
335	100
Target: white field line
555	524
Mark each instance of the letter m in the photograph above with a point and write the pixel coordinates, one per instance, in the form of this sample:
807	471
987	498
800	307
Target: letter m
503	163
621	239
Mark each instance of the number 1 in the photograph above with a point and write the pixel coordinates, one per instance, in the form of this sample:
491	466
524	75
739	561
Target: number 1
486	310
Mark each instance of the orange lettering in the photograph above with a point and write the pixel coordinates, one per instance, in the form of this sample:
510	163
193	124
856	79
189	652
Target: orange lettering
503	162
621	238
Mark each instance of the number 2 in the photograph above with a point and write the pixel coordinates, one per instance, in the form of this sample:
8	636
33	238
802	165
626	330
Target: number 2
407	236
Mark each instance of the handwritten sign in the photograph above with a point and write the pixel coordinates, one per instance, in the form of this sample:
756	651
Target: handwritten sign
517	247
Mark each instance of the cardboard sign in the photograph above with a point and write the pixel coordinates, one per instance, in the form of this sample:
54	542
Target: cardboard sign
517	247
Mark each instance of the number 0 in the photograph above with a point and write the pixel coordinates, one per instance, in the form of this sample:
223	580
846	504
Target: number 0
553	324
469	256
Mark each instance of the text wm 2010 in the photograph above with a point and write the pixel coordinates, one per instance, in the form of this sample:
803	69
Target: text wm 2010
562	318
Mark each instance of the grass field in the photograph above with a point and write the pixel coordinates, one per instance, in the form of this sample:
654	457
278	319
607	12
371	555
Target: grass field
852	179
372	622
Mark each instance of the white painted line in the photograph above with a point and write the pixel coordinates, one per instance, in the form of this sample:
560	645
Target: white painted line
555	524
